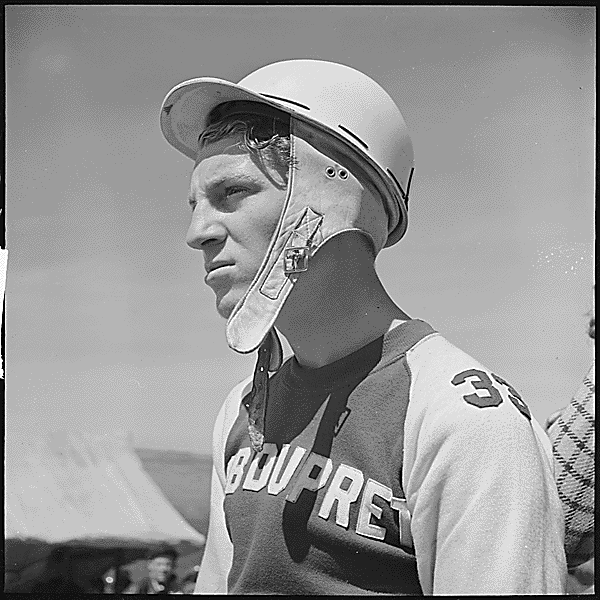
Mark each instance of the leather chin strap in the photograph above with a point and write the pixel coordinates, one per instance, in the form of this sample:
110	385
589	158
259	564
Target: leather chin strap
270	356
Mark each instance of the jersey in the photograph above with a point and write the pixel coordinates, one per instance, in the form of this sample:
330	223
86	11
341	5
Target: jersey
403	468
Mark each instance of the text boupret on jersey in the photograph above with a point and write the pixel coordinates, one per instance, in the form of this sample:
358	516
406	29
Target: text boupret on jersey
311	471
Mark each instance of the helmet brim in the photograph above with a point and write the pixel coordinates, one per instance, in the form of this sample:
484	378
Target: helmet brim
185	110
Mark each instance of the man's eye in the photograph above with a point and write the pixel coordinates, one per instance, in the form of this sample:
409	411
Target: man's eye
192	204
234	189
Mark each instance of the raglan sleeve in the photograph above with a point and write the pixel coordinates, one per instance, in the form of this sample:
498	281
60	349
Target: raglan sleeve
478	479
218	553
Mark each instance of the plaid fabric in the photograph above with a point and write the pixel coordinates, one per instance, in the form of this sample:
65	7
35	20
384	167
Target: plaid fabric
573	442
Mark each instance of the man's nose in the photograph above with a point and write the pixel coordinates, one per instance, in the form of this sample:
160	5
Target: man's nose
206	228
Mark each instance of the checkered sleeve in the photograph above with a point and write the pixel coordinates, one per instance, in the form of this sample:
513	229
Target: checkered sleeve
573	441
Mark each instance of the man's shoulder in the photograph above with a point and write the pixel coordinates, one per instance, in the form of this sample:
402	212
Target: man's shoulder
434	353
239	390
228	414
454	383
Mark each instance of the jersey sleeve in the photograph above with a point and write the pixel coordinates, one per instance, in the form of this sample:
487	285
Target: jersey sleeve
485	513
218	554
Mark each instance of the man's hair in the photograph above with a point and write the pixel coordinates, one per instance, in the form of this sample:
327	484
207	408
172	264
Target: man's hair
266	132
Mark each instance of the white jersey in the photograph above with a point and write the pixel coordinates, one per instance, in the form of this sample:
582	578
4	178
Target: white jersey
453	471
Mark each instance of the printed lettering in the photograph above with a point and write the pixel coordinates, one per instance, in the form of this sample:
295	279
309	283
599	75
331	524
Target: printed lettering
277	485
404	533
480	381
308	479
344	497
514	396
235	469
267	456
312	471
368	509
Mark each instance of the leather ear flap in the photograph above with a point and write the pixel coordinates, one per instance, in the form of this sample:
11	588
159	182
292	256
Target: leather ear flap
323	199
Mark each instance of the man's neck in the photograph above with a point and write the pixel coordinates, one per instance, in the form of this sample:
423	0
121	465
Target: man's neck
338	307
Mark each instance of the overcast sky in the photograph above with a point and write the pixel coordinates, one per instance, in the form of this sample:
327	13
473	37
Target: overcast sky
109	324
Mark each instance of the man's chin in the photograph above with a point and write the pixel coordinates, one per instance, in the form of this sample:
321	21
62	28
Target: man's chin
225	306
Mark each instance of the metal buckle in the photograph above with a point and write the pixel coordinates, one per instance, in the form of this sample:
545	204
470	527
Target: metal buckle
295	259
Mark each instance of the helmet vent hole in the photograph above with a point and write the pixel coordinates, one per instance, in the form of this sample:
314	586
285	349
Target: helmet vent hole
330	172
343	174
354	136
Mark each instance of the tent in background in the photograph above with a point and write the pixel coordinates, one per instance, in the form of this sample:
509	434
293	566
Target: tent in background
184	478
89	494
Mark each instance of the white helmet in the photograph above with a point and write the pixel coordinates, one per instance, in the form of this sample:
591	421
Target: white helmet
340	119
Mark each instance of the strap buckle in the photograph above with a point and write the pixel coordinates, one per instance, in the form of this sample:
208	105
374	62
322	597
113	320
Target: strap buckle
295	259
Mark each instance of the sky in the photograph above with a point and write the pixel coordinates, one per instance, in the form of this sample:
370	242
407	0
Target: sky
109	325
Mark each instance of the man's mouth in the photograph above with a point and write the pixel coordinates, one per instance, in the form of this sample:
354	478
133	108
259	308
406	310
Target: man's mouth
217	265
216	270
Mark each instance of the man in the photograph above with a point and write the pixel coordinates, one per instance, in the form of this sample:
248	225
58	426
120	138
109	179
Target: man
161	577
379	458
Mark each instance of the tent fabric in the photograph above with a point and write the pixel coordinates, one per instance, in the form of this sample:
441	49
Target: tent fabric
184	478
80	489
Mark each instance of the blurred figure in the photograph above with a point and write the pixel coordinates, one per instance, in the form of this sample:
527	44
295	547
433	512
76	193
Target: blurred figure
58	575
188	583
161	573
571	430
114	581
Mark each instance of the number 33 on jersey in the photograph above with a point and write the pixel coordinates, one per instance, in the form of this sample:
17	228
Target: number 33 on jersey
488	393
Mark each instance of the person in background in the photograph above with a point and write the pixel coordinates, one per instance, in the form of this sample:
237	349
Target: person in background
572	433
114	581
161	577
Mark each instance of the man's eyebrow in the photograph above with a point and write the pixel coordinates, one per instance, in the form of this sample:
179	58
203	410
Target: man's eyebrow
232	178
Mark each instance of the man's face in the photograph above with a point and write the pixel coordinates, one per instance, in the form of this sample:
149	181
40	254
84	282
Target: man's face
160	568
236	206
